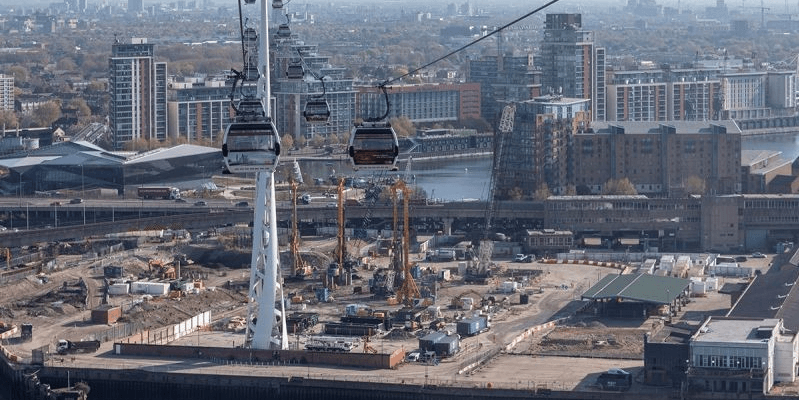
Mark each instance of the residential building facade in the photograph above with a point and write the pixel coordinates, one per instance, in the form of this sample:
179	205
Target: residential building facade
422	103
6	92
570	63
138	89
660	159
198	109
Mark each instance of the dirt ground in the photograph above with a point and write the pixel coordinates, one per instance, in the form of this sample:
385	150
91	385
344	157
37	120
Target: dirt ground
57	311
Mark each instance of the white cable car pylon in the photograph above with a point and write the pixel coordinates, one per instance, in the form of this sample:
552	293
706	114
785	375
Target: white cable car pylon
252	144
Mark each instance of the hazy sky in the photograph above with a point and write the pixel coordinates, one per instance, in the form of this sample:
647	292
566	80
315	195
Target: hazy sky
776	6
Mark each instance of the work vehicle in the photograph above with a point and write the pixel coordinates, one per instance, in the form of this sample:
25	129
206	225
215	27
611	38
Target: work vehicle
158	192
69	347
329	344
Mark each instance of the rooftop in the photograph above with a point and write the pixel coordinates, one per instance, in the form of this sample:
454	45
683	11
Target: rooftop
734	330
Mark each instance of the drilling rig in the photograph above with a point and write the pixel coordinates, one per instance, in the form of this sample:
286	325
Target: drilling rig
407	290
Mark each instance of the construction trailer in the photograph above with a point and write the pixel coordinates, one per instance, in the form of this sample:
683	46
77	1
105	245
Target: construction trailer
472	326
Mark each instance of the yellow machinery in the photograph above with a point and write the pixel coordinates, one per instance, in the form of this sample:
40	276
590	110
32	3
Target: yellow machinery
300	268
408	290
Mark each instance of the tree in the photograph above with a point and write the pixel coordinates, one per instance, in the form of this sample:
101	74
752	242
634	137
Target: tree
301	141
542	193
621	186
287	142
47	113
695	185
317	141
80	105
403	126
516	193
8	119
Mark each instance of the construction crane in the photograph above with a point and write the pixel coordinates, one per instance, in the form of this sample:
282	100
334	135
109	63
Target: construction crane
301	269
408	289
487	242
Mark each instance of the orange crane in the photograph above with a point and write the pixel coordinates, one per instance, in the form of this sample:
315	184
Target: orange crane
408	290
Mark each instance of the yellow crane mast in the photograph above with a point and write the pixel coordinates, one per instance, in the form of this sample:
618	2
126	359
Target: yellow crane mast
408	290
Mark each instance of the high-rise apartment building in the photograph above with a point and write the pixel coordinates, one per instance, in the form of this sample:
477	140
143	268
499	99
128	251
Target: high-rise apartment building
199	109
138	89
6	92
570	64
504	78
758	94
537	150
292	94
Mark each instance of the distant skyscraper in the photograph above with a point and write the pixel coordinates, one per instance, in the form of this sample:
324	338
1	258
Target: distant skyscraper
570	64
137	85
6	92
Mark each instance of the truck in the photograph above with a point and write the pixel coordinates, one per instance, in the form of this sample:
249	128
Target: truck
159	192
70	347
320	343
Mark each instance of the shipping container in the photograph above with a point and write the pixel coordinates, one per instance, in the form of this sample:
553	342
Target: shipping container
106	314
428	342
119	288
472	326
447	346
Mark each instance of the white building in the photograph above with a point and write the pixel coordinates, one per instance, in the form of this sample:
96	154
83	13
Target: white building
739	355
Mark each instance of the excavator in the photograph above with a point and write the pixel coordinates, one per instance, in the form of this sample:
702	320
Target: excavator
164	270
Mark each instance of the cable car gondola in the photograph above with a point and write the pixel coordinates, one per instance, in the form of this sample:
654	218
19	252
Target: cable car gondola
294	71
251	142
249	45
374	146
283	31
316	108
373	143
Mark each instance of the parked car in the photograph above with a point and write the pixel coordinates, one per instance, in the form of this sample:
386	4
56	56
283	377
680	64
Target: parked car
413	356
758	255
201	203
242	204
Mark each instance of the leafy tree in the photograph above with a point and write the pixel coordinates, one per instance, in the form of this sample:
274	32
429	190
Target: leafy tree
8	119
47	113
301	142
542	193
19	73
287	142
695	185
403	126
621	186
317	141
79	104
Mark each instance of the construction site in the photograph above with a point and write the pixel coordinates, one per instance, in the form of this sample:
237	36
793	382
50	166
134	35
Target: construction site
390	306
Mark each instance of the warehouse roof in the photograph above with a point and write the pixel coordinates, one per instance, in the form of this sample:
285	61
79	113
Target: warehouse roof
638	287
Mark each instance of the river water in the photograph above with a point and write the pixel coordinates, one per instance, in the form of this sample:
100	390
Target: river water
468	178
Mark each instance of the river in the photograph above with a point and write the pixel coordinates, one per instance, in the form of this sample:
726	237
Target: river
468	178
